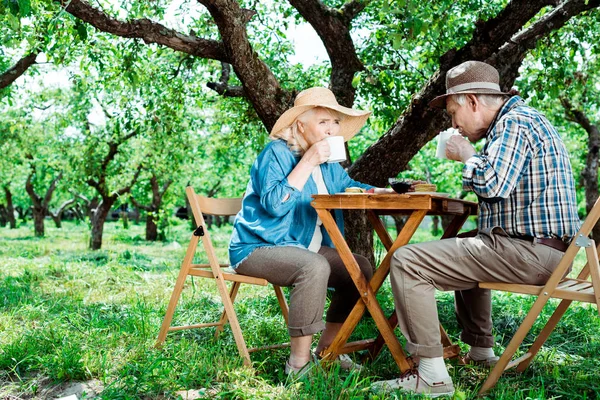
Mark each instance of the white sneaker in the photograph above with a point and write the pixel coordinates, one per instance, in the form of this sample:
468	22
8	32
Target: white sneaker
410	381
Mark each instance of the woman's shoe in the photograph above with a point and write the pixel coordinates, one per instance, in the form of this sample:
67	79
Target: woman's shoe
344	361
296	373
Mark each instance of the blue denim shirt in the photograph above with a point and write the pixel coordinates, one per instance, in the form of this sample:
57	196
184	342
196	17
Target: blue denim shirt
265	220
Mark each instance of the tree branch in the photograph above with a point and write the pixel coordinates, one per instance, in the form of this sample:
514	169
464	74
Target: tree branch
17	70
51	189
148	31
127	188
35	199
333	27
260	86
500	41
222	87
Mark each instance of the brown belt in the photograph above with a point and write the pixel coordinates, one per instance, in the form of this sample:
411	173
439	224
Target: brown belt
550	242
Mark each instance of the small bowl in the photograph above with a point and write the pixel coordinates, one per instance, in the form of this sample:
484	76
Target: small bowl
400	186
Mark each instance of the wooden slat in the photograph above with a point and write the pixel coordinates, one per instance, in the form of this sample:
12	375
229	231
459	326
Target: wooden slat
451	351
180	328
230	277
517	361
372	201
214	206
571	293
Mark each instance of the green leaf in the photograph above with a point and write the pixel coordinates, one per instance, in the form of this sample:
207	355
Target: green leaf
13	5
356	81
81	30
397	41
24	7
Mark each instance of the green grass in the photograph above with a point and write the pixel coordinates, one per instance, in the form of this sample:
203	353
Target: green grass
70	314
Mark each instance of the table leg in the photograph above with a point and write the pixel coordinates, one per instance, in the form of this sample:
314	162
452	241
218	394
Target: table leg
367	290
450	350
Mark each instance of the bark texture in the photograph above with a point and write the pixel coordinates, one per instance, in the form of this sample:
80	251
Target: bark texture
152	209
109	197
10	208
57	215
17	70
40	204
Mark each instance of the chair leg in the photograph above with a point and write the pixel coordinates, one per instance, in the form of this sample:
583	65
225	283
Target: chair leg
233	322
593	263
282	302
223	320
514	344
183	273
551	324
545	333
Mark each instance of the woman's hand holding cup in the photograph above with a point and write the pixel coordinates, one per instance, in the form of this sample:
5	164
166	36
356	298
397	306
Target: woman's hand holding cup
318	153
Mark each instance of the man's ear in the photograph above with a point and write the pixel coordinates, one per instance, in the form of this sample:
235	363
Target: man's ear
300	126
473	102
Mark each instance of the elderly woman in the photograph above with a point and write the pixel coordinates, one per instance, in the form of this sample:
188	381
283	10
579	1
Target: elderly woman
277	234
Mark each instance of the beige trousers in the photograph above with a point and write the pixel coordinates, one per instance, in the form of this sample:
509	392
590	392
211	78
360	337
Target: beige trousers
458	264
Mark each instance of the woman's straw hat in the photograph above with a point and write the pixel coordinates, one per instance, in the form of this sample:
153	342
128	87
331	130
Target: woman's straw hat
470	77
322	97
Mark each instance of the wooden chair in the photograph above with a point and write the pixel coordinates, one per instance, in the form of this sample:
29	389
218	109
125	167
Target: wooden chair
218	272
558	286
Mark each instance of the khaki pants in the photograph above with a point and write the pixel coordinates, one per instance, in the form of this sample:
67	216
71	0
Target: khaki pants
459	264
309	274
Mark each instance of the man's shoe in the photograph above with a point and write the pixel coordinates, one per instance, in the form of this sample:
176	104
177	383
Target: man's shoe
487	362
410	381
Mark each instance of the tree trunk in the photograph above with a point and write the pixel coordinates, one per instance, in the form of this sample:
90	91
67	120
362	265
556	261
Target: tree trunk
98	218
10	209
22	212
57	221
151	227
3	219
38	221
359	234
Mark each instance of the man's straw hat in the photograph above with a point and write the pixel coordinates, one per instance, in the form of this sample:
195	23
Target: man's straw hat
470	77
322	97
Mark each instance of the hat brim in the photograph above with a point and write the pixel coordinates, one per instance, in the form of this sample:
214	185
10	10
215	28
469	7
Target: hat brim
349	127
440	101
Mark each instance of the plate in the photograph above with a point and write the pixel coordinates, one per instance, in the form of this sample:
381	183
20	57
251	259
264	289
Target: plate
353	193
430	193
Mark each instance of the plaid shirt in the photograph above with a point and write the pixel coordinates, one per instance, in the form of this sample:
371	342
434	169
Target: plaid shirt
523	176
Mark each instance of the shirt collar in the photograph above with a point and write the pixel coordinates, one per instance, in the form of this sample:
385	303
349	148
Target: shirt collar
509	105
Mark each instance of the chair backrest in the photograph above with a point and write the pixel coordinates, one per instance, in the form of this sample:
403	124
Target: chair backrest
211	206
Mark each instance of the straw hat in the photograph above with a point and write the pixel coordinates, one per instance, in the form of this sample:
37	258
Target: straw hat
323	97
470	77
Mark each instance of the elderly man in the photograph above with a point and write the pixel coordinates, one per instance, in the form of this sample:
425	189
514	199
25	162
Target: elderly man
527	214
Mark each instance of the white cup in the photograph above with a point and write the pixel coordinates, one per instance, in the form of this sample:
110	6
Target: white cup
442	140
338	150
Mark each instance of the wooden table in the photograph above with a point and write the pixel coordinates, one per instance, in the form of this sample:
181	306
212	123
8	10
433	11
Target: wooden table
416	207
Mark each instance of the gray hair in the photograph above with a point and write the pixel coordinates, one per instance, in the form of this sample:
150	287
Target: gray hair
290	134
488	100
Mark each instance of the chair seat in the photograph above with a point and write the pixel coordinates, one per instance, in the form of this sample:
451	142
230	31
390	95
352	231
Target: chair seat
568	289
228	273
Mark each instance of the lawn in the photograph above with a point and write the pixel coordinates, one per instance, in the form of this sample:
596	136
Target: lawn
68	314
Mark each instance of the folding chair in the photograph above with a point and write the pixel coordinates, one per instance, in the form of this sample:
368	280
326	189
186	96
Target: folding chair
558	286
216	271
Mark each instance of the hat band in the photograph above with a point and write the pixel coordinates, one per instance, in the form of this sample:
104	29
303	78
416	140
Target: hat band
473	85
